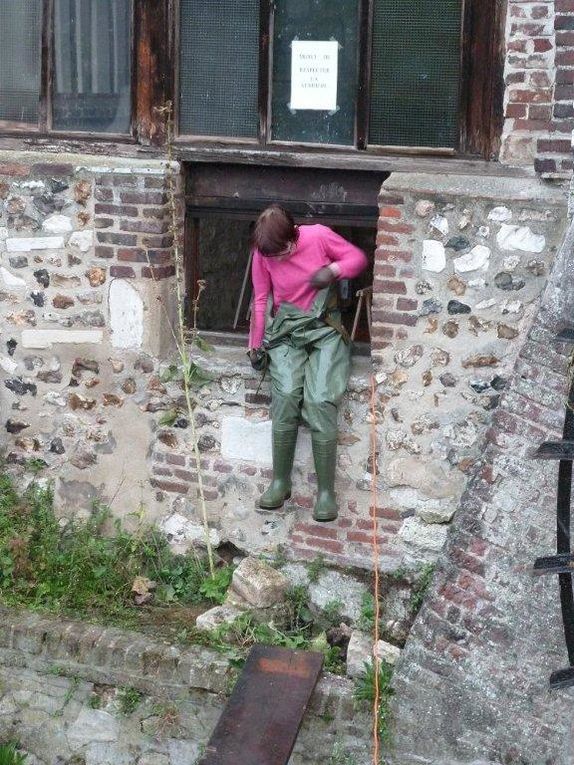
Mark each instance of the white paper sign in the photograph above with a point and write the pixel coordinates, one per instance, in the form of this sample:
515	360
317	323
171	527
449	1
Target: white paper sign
314	68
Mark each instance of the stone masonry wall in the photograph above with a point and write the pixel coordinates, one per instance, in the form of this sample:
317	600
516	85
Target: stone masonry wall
539	86
477	663
86	267
61	688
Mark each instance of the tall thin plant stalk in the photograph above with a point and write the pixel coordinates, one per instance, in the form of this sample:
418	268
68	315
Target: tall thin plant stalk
184	337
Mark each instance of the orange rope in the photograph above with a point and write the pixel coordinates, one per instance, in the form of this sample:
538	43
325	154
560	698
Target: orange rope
376	661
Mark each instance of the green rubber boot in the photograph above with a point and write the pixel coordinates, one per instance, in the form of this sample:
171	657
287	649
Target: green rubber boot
284	442
325	457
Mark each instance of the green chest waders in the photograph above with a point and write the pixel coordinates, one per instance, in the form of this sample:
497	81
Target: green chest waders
309	360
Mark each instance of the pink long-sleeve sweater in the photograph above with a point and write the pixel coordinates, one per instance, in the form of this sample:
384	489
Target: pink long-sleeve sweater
287	279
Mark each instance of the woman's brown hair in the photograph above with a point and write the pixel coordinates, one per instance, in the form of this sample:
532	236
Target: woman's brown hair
274	231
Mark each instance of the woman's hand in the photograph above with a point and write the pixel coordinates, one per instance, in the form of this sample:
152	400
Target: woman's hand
322	278
258	358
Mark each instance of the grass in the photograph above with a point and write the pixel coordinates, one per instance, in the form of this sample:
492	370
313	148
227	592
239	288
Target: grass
85	568
128	699
9	755
364	692
424	578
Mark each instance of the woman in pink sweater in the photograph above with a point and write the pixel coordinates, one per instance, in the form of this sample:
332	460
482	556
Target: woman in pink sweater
308	350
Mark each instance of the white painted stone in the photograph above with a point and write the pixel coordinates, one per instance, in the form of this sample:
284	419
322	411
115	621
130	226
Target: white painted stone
434	257
243	439
91	726
8	364
183	534
26	244
11	281
57	224
422	535
83	240
126	315
500	214
359	654
387	652
520	238
476	284
485	304
511	262
477	258
440	223
44	338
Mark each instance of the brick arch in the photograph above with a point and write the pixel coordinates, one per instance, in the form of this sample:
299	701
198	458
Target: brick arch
472	681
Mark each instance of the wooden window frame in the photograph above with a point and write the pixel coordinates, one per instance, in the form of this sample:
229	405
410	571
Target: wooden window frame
150	79
480	100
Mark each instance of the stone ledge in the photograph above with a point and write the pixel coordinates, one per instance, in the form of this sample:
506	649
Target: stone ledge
117	657
505	190
89	163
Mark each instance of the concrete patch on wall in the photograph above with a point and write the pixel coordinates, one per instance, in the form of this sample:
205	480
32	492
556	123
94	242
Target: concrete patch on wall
126	315
250	441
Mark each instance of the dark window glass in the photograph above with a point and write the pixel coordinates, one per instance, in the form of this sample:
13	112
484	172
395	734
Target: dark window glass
320	21
219	59
20	48
415	73
92	65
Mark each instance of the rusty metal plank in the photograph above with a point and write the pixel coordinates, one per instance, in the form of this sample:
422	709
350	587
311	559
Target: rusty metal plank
555	450
260	723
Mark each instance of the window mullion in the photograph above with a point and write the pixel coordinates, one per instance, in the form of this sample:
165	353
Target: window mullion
266	9
364	80
47	69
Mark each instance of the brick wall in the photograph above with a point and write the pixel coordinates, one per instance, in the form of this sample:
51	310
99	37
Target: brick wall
477	663
539	79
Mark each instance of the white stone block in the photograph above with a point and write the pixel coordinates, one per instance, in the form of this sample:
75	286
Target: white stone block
11	281
477	258
215	617
8	364
520	238
422	535
126	315
359	653
440	223
57	224
244	440
500	214
182	534
27	244
44	338
92	725
387	652
434	257
258	583
83	240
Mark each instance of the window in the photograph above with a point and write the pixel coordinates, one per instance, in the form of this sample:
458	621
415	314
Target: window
65	65
402	73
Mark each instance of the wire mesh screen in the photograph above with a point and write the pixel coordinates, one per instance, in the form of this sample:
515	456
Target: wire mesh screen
92	65
20	51
415	73
219	61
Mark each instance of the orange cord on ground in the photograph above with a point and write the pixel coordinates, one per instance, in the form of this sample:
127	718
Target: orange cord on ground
376	661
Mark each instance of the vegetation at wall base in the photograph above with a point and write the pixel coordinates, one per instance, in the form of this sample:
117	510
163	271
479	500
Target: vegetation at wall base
86	568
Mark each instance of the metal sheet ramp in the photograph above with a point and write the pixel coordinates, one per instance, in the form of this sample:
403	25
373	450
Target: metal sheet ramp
261	721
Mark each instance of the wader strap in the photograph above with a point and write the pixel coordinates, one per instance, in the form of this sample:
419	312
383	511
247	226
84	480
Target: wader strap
332	305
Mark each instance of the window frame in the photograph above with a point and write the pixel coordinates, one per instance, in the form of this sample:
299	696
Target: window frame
43	128
480	90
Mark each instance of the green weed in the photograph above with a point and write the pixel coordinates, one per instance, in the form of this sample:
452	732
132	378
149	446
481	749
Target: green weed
366	621
365	692
10	756
315	569
87	567
340	757
332	611
421	586
128	699
215	588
